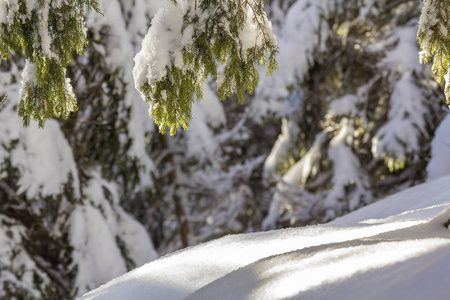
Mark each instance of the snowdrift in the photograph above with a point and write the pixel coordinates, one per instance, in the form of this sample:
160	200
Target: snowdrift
397	248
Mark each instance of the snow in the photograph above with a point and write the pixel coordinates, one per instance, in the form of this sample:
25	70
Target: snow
304	16
43	157
439	164
280	150
47	148
428	17
105	240
399	136
96	226
119	56
346	175
44	33
14	259
291	109
97	248
138	13
3	12
397	247
164	34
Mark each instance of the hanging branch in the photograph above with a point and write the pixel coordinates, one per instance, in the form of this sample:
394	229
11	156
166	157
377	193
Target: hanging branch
211	48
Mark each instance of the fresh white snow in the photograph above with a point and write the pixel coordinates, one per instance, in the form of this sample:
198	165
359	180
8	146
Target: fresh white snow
397	247
439	164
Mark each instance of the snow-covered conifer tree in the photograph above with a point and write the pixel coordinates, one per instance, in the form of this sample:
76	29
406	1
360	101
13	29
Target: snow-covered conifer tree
64	227
361	124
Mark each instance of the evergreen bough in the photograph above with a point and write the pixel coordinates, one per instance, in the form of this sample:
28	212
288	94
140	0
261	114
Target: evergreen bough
433	36
48	32
234	36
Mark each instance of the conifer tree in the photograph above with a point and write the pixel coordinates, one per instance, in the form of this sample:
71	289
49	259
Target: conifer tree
47	33
63	186
358	109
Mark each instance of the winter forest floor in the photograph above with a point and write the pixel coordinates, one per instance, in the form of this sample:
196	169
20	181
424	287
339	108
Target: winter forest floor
397	248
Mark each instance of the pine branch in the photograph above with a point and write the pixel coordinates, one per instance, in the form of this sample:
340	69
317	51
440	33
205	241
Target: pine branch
49	270
172	88
434	40
48	35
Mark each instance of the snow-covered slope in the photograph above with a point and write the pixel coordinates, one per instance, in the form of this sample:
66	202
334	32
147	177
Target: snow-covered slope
397	248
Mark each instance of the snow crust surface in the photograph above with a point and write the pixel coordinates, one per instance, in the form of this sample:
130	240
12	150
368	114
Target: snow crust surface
439	164
398	247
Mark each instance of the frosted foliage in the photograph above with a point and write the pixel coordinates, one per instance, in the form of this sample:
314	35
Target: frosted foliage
8	8
95	251
171	42
137	14
222	181
95	228
291	110
222	219
43	157
28	76
280	150
17	267
7	15
13	125
250	36
367	7
207	115
350	185
214	114
3	12
439	164
106	239
400	135
161	46
296	50
135	236
378	102
200	140
45	161
290	199
43	31
118	52
403	57
345	105
308	165
429	17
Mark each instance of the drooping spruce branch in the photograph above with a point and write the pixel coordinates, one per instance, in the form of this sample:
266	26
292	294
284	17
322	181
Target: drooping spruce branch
434	39
47	32
188	42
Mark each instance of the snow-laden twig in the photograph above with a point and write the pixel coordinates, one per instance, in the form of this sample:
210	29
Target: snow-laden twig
3	100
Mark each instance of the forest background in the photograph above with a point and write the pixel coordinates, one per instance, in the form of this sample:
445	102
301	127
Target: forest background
350	117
